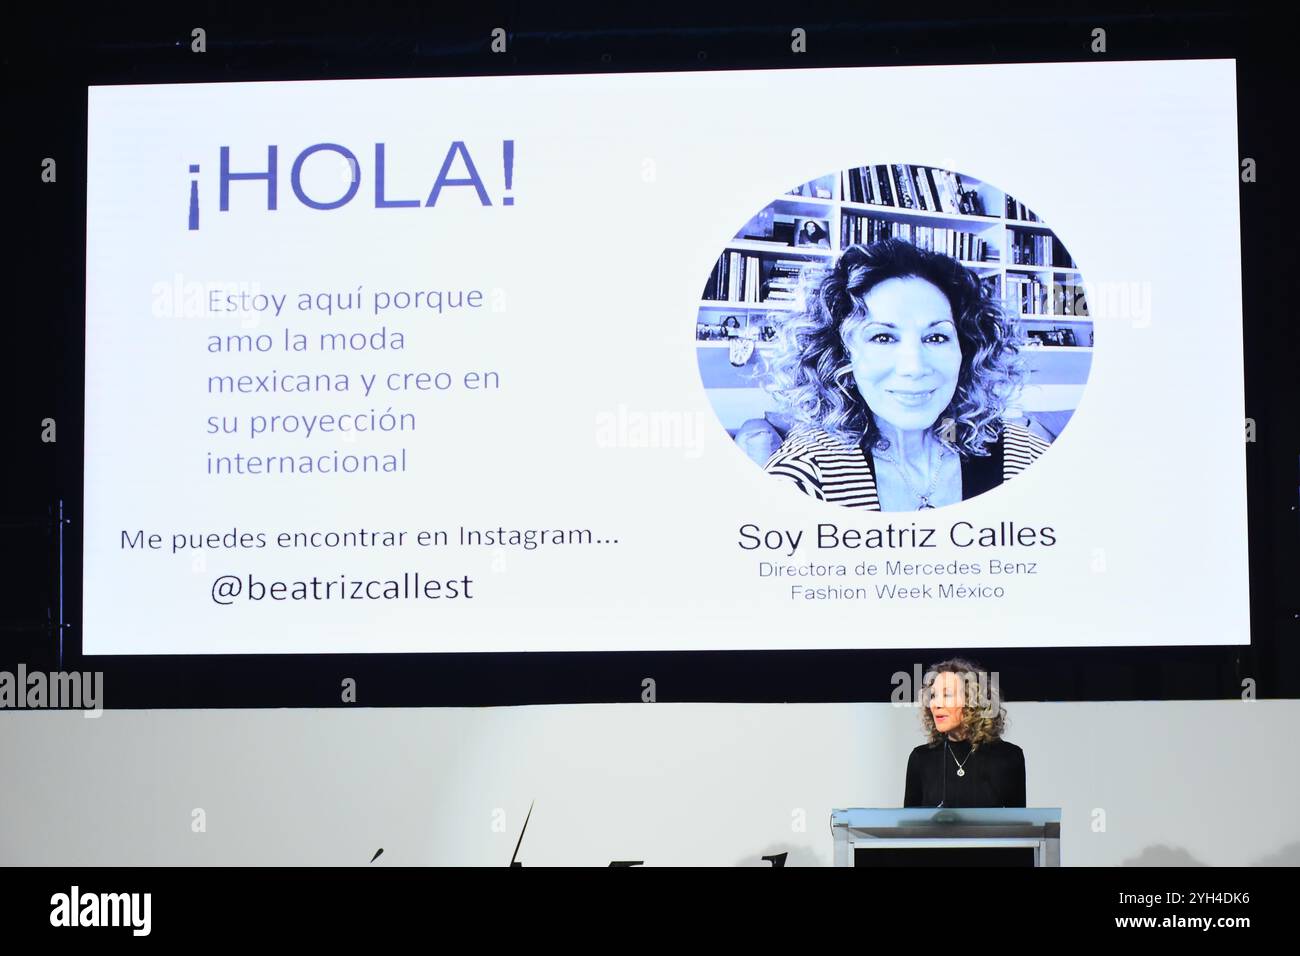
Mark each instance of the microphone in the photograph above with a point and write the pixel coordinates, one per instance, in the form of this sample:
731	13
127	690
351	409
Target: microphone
944	772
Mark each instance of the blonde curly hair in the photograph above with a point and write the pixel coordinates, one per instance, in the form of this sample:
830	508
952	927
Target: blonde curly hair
983	717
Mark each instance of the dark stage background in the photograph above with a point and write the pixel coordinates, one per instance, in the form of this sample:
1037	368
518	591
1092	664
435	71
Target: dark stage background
52	53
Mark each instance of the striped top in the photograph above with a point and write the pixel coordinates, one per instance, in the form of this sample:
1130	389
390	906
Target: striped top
826	468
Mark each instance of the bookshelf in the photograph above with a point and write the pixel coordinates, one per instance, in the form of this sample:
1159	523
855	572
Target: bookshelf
981	225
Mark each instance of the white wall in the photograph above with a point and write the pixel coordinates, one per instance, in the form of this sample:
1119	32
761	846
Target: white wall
710	784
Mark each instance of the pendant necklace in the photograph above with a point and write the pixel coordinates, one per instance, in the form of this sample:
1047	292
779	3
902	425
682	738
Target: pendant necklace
961	764
929	492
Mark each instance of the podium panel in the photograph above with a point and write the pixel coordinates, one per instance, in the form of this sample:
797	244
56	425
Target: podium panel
958	836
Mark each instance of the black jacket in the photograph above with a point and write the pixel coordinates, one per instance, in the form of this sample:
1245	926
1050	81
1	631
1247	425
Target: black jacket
994	777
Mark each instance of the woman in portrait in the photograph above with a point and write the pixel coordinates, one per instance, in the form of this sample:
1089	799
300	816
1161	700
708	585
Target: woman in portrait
965	762
896	376
813	233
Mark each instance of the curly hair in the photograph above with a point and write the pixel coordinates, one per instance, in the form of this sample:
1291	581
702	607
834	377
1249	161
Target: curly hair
983	717
808	367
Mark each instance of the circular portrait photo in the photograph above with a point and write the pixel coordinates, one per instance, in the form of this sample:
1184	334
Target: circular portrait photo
894	338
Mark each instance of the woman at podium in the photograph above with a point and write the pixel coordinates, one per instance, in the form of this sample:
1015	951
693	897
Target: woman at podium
965	762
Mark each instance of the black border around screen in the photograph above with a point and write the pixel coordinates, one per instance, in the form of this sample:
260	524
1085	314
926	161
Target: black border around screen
51	108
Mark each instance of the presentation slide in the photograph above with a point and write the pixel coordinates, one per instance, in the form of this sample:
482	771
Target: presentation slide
751	360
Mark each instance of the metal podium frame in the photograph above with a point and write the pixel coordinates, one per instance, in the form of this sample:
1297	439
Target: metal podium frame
956	827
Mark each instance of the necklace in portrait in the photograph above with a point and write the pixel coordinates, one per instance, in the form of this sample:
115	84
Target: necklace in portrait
936	469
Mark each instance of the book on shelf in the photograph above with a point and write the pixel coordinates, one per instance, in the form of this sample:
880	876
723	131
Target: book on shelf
901	186
1028	294
1036	249
783	281
746	277
906	189
951	242
1018	210
1070	300
887	195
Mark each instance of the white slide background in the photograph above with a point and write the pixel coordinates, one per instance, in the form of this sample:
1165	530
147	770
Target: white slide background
626	187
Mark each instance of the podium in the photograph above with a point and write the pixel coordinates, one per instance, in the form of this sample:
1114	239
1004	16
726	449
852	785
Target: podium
942	836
